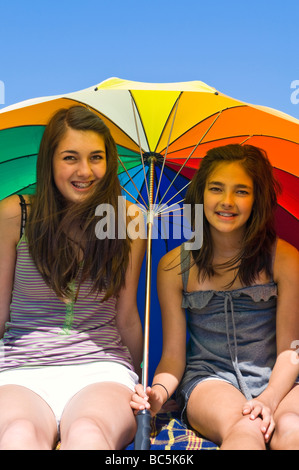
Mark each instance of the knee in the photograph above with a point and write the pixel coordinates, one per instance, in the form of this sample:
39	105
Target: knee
85	433
244	434
246	425
19	434
286	433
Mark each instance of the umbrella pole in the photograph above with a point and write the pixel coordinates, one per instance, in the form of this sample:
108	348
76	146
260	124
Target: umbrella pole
150	223
142	437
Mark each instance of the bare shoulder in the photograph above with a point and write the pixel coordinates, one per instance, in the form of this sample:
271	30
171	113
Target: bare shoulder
286	252
286	265
10	213
10	217
171	259
169	267
10	207
10	220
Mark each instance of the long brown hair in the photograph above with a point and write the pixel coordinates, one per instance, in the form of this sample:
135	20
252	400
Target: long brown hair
57	255
257	245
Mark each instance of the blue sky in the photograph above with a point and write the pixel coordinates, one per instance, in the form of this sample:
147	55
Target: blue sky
247	50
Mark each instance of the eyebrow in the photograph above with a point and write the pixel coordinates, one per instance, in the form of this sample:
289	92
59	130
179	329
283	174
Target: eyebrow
74	152
240	185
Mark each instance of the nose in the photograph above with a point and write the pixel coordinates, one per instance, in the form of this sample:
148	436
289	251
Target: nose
227	199
84	168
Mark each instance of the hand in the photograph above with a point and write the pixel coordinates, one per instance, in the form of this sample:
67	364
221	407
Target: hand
257	409
147	399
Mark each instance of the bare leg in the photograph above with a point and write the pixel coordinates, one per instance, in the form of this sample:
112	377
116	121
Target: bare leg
98	417
26	421
215	410
286	417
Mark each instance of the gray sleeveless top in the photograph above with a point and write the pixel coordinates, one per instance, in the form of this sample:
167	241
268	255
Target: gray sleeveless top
232	336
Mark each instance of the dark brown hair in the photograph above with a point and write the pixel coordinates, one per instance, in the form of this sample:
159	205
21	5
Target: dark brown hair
257	246
50	222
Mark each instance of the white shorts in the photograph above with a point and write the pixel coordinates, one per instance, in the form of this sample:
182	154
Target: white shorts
56	385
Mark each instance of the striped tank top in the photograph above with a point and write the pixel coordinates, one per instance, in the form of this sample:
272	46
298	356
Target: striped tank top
43	330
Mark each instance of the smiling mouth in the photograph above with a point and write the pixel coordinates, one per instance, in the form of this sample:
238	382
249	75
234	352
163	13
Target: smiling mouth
82	184
226	214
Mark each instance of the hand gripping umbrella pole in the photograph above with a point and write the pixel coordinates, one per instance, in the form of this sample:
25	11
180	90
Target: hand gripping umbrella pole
142	437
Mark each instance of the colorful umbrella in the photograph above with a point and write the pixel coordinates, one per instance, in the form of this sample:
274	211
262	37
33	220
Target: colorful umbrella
162	133
174	124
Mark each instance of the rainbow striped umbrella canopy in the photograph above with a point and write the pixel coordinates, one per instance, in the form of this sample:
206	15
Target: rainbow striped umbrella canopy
172	124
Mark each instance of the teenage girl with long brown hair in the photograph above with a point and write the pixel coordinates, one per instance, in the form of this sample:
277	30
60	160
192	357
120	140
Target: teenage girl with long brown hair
236	379
71	335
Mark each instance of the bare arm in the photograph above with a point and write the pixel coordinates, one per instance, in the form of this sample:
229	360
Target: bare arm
128	319
172	364
286	368
10	213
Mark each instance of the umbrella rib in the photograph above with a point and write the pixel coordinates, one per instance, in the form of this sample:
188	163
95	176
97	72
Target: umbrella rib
100	114
165	204
178	191
169	209
132	181
289	212
165	208
157	190
25	187
18	158
224	138
247	138
199	122
131	195
188	158
140	149
165	155
178	221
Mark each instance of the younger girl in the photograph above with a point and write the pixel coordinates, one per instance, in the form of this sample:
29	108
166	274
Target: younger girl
71	334
240	291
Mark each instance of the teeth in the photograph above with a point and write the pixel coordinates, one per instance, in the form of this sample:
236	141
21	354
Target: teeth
225	214
81	185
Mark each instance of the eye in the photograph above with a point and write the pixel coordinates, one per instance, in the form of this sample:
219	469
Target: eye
243	192
214	189
69	157
97	157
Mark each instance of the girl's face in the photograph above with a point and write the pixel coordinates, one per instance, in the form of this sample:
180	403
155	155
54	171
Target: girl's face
228	198
79	162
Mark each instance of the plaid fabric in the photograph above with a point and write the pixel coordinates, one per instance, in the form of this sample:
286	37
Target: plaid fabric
168	433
